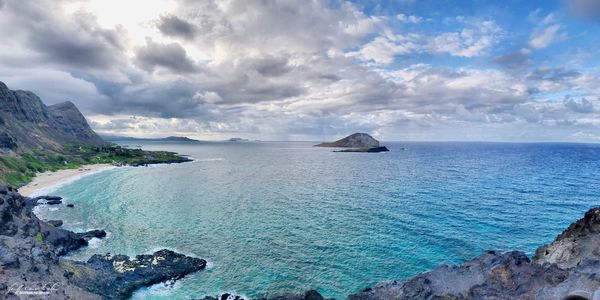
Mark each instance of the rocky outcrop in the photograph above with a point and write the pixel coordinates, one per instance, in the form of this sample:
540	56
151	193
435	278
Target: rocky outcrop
355	140
118	276
30	250
55	223
7	142
95	233
577	244
366	150
569	264
30	262
308	295
48	198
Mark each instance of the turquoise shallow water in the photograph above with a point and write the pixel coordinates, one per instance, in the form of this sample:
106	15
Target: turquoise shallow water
274	217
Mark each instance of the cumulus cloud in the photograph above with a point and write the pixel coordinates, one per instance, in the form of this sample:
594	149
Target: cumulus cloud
384	49
473	40
409	19
174	26
171	56
583	106
74	40
467	43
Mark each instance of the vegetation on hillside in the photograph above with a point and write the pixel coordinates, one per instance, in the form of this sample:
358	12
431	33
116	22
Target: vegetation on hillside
18	169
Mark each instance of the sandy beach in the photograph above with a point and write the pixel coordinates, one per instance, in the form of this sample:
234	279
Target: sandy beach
48	179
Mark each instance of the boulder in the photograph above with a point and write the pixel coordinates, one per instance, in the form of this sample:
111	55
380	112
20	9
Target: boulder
55	223
96	233
48	198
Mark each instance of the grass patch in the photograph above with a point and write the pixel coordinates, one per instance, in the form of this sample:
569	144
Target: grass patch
17	170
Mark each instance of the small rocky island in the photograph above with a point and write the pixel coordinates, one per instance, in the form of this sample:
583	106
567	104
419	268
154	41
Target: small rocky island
357	142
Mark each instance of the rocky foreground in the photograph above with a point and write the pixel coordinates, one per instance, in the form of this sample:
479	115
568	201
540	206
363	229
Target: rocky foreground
569	264
31	267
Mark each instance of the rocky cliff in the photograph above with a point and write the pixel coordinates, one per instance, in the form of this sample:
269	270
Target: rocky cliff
568	266
26	123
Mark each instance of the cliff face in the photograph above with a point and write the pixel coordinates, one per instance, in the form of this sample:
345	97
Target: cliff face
27	123
567	265
356	140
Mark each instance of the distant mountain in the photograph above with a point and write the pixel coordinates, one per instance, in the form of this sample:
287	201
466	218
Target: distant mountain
166	139
26	123
237	139
355	140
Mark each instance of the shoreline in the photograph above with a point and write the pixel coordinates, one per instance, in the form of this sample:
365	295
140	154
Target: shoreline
48	180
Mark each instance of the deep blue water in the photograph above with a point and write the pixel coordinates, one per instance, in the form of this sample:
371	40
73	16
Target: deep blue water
273	217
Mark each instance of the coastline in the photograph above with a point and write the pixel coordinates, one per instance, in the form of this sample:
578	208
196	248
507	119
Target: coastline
100	277
48	180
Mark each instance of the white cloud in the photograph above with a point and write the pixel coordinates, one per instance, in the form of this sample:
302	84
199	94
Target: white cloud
540	39
473	40
409	19
383	49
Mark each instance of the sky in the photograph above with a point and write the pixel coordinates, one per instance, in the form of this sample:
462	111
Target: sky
423	70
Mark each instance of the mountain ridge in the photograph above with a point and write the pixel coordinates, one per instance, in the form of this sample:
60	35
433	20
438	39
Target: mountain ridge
26	123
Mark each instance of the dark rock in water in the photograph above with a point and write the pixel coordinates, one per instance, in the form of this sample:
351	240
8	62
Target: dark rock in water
48	198
366	150
224	296
378	149
96	233
53	202
55	223
118	276
355	140
70	205
309	295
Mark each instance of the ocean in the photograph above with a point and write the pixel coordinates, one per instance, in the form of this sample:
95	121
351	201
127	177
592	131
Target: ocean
274	217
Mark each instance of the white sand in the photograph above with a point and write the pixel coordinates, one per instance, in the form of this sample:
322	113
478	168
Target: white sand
46	180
